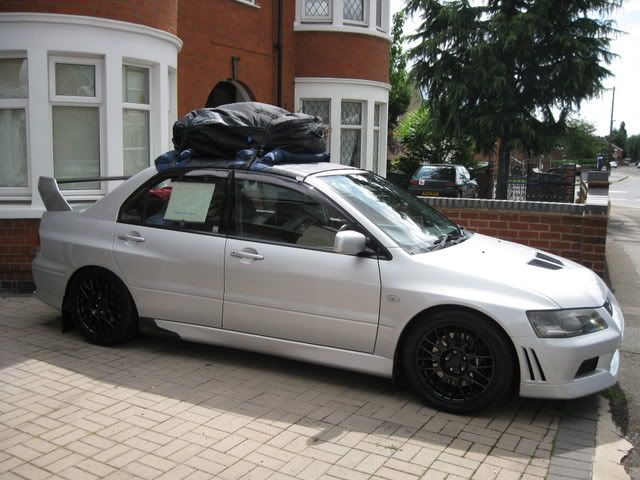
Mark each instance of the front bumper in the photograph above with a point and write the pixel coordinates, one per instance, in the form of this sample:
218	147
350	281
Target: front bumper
551	368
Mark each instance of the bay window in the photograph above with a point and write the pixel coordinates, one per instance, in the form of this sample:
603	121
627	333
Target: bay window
75	90
354	11
376	137
14	91
317	10
135	118
351	133
322	110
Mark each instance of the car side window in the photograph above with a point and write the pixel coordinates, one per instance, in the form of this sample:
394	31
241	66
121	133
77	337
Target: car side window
270	212
190	204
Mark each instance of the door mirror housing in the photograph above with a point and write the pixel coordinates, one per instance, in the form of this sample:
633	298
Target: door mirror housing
349	242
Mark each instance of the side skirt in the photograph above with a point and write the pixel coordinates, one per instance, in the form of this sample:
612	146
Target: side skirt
329	356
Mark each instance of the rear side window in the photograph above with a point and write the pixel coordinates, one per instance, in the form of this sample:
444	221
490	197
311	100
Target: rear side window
429	172
190	204
265	211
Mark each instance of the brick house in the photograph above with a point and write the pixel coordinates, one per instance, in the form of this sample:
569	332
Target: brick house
92	87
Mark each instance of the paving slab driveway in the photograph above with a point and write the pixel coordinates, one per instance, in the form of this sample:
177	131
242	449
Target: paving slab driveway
157	408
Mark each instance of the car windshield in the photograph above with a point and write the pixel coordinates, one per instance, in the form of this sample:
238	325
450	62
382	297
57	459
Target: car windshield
435	173
412	224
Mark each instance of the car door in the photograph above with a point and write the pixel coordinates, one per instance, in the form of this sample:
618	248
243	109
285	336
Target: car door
169	244
282	278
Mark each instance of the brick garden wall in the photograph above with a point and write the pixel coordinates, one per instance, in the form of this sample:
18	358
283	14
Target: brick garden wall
18	244
580	237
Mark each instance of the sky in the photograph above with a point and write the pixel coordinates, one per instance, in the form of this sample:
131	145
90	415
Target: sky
625	73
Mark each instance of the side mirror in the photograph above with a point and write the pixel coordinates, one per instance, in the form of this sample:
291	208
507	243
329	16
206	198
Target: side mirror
349	242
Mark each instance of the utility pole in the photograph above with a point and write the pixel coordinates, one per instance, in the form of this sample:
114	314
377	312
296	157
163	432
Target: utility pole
610	155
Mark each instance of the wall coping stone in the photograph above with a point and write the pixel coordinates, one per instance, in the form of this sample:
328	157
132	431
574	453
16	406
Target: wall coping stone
597	204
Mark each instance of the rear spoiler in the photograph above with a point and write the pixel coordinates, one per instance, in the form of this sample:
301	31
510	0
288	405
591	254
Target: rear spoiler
52	197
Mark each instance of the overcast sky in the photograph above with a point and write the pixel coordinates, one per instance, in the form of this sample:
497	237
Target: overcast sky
625	69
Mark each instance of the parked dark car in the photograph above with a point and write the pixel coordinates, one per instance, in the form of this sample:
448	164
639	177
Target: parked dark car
443	180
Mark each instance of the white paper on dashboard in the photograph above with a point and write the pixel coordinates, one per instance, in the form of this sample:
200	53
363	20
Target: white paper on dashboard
189	202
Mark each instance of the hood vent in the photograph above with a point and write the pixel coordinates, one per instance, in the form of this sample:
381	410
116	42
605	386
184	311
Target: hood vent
545	261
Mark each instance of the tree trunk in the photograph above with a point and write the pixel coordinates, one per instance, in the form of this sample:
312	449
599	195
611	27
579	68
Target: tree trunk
504	153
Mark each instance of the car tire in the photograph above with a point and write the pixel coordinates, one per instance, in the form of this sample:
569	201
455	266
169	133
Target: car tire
458	361
101	307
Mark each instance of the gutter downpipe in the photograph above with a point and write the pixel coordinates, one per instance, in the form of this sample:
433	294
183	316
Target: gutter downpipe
279	53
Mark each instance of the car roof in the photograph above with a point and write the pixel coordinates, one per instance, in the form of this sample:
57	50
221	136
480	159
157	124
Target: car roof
298	171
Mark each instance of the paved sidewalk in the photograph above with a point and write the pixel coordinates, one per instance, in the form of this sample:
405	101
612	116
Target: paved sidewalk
159	408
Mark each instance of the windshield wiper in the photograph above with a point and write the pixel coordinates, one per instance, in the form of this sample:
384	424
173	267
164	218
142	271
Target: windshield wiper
454	237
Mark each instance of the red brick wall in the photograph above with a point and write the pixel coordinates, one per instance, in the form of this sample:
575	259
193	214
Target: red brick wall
215	31
342	55
580	238
160	14
18	243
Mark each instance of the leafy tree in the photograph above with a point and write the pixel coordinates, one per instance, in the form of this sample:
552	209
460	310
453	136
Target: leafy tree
510	70
619	136
401	86
633	147
423	142
580	141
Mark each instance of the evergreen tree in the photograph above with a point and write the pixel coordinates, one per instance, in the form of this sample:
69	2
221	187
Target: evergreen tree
633	147
619	136
401	86
510	70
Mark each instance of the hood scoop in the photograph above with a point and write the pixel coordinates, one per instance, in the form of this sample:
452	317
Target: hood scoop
545	261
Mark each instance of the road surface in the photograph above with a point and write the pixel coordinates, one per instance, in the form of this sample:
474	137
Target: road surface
623	258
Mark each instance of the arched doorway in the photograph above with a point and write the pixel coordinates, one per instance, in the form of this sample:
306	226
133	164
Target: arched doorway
229	91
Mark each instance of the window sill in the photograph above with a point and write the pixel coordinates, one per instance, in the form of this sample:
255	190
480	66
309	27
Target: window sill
249	4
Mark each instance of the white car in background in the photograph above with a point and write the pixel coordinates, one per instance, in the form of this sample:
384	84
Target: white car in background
613	164
331	265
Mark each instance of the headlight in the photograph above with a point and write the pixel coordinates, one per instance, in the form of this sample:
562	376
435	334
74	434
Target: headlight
566	323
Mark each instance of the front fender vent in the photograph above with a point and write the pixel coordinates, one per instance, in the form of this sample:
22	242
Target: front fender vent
546	261
536	374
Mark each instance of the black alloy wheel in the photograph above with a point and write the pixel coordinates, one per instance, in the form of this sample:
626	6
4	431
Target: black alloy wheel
102	308
458	361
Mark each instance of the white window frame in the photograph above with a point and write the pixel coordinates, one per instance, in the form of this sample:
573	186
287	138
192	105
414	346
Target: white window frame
75	101
8	193
376	128
140	106
363	113
365	15
251	3
326	122
315	19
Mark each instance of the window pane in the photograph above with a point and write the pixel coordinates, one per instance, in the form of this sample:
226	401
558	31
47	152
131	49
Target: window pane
350	147
354	10
317	108
376	115
379	13
316	8
274	213
376	148
351	113
75	80
13	154
76	145
135	138
13	78
135	84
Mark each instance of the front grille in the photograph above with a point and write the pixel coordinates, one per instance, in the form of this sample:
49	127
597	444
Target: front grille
608	307
587	367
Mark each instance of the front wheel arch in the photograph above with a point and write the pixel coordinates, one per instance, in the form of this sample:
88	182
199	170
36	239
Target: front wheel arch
398	373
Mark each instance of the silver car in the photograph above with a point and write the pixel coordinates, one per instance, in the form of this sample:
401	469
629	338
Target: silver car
331	265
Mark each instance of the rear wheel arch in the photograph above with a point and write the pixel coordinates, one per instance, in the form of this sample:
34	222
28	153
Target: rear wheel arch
65	300
424	316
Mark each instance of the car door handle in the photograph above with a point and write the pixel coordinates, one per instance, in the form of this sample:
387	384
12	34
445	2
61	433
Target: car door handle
247	255
132	237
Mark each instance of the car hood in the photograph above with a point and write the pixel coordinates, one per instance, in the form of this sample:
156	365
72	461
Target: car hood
495	262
